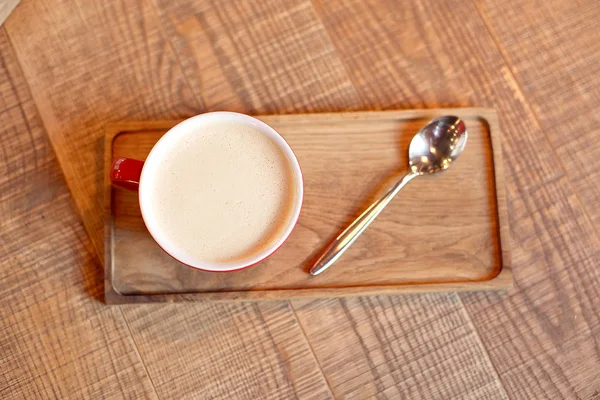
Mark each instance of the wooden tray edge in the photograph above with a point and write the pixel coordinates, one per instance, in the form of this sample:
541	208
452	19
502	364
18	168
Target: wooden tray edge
491	117
502	281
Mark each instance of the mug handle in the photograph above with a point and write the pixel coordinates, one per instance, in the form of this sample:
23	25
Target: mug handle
125	173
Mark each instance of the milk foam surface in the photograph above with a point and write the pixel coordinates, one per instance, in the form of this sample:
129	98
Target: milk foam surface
222	193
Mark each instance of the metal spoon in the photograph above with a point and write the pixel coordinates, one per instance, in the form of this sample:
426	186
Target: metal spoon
433	149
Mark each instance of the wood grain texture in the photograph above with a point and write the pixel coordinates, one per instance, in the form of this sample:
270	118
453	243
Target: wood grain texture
257	57
94	65
57	341
545	335
227	350
406	60
417	346
553	48
348	160
6	7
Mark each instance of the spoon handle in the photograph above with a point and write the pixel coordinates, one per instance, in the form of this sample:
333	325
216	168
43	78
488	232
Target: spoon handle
353	231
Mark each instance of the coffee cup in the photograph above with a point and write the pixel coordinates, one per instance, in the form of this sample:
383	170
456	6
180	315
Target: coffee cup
219	192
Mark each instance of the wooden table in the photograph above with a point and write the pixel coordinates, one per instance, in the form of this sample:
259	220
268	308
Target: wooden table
67	68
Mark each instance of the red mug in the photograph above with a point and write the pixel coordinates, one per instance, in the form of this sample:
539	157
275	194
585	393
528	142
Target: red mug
138	175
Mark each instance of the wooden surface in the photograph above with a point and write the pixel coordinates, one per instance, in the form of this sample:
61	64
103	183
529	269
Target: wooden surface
6	7
69	68
348	160
56	339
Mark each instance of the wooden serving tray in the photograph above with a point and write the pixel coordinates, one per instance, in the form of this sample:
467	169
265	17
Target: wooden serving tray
445	232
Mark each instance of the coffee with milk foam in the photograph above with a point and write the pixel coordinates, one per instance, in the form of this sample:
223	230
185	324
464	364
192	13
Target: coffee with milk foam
223	192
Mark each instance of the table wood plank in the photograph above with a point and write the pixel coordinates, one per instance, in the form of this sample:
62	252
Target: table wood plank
415	346
268	57
553	48
95	64
6	7
227	350
411	58
57	339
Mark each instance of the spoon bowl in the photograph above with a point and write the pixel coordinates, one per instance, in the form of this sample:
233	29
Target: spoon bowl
435	147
